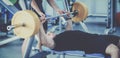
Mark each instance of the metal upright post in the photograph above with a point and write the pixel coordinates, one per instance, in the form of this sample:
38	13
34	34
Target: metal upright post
6	18
28	48
67	5
114	10
60	25
111	17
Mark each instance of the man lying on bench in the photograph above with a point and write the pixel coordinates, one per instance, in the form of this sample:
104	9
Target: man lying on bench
78	40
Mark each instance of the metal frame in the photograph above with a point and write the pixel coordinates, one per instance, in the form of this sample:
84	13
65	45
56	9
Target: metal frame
110	27
8	40
13	10
29	47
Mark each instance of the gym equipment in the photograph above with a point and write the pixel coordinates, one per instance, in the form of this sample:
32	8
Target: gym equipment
3	27
63	54
19	24
68	6
111	17
9	40
11	9
82	12
26	23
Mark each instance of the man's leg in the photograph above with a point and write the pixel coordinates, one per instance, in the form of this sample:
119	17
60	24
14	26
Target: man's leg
112	50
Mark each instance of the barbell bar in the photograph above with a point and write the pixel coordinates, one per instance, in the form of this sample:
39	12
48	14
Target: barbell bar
26	23
10	27
75	12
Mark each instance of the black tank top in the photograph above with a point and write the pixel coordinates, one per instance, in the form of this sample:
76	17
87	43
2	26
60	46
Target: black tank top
79	36
39	3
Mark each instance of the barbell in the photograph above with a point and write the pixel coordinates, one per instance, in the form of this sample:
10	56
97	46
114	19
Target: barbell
26	23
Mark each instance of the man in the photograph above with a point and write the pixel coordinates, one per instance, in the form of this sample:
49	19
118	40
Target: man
78	40
38	7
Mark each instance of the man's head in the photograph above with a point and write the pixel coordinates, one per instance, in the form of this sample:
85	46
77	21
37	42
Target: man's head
51	35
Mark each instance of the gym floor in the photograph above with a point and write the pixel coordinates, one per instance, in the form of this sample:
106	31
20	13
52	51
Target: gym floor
13	49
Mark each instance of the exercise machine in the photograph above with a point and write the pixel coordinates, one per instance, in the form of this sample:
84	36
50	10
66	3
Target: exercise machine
110	27
23	20
12	9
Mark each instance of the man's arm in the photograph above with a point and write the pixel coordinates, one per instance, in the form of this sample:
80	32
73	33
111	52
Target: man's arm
44	39
55	7
36	8
53	4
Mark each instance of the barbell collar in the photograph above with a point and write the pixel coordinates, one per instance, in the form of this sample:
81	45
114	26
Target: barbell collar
10	27
75	13
82	11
